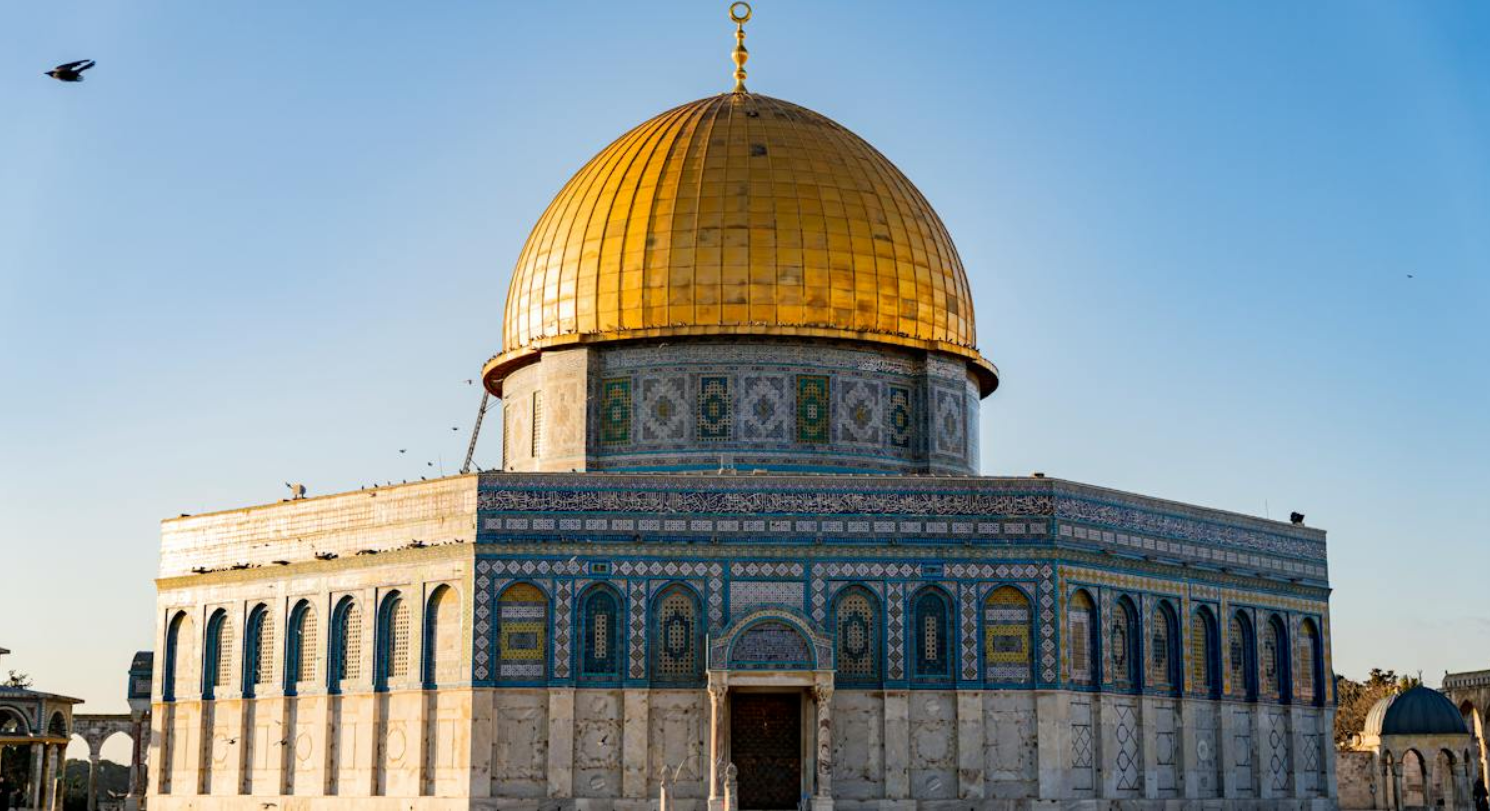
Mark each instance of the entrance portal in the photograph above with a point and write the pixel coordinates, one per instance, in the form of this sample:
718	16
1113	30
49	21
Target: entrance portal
766	748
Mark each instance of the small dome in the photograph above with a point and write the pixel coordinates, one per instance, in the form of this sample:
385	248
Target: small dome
739	214
1419	711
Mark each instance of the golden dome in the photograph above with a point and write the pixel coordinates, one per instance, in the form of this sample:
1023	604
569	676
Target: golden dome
739	214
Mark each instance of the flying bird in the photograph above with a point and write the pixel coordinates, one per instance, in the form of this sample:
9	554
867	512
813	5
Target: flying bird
70	72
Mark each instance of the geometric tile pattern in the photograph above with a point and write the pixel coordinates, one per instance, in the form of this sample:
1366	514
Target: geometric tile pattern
932	627
1128	760
765	411
895	631
748	595
663	412
813	408
968	630
1083	750
900	421
714	408
637	645
1006	627
563	611
770	644
615	411
522	626
857	654
859	417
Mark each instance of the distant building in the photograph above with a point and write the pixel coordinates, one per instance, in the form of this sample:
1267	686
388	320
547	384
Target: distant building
739	531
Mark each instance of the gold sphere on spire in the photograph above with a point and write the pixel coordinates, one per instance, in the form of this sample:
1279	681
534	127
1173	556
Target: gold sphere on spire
739	215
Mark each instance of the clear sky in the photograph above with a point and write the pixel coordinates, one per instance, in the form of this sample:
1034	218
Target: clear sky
1230	254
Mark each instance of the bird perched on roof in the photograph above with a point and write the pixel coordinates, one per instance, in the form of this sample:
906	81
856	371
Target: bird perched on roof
70	72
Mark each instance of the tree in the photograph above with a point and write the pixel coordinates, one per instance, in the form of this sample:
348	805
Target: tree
1356	699
21	680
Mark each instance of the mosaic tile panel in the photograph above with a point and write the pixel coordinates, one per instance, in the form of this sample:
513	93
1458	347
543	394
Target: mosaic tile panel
948	425
748	595
814	409
931	629
967	630
637	639
770	645
663	411
859	415
615	411
1007	637
600	648
522	627
900	417
678	658
765	411
895	631
563	610
715	409
856	655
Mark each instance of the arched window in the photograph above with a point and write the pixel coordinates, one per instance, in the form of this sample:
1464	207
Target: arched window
1242	656
1085	641
1309	678
856	617
346	644
1164	649
180	656
258	650
12	723
931	629
1007	641
599	651
217	662
442	638
1205	670
300	647
522	634
1123	641
677	637
1275	661
393	642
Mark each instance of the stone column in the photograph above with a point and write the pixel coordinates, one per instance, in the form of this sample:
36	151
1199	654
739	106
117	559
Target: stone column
37	774
561	742
822	696
718	690
897	745
635	718
92	780
970	775
132	796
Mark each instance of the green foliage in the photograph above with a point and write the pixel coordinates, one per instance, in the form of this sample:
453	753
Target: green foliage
113	781
1358	697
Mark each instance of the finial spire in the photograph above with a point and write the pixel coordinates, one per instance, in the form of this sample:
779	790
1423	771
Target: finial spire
739	54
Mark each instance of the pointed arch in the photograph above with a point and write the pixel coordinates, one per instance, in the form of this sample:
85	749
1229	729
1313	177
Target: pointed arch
258	650
1008	637
931	633
1242	656
522	634
180	656
392	650
1084	639
1205	660
1310	677
856	638
300	646
1124	645
1275	661
677	636
217	654
442	638
600	652
344	660
1164	648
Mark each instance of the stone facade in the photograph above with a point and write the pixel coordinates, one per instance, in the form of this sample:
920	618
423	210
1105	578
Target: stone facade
526	640
748	404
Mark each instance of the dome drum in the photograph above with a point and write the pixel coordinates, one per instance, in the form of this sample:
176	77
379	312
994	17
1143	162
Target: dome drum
777	404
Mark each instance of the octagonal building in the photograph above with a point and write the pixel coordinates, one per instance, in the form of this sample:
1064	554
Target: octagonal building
738	552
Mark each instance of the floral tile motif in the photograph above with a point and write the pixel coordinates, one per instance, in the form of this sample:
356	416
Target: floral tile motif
664	410
859	415
899	417
615	411
764	409
814	409
715	417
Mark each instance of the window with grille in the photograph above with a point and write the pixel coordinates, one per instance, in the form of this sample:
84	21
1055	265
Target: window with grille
1274	662
1202	654
1241	666
600	650
261	647
931	616
398	639
218	665
676	657
858	638
1079	619
442	638
1308	662
1006	637
1163	648
305	641
1123	642
537	438
347	659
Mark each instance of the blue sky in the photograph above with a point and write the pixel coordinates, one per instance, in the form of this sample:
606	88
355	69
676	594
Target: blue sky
269	242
